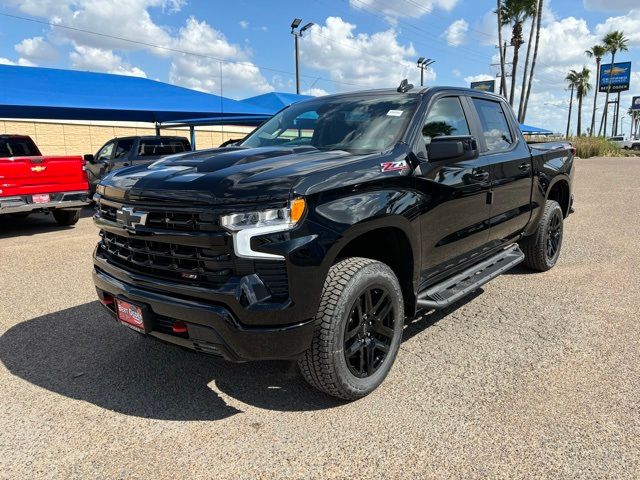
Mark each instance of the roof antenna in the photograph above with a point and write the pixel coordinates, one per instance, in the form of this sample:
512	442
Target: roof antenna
405	86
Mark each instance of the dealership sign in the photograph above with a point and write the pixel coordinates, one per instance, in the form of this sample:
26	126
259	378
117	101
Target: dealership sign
635	103
619	76
485	85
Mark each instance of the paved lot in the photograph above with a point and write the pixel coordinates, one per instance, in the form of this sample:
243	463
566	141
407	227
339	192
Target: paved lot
537	375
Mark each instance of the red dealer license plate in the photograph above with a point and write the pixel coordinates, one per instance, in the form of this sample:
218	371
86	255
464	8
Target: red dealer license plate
41	198
130	315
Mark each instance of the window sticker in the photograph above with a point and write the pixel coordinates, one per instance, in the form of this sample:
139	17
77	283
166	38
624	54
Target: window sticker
394	113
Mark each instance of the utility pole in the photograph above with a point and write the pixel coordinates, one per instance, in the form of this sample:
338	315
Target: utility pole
502	74
569	117
422	64
615	129
296	35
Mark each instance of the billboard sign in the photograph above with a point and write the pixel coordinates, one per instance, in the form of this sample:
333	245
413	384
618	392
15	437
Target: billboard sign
635	103
619	75
484	85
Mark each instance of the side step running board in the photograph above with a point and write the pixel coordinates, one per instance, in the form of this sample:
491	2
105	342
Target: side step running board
454	288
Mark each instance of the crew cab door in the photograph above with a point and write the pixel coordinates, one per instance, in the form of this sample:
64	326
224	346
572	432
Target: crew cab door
100	164
509	157
454	212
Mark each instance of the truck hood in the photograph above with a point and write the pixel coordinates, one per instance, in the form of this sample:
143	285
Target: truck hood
225	175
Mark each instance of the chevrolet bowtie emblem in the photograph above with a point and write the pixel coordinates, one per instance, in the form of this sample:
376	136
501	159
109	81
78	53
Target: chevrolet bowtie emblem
38	168
130	218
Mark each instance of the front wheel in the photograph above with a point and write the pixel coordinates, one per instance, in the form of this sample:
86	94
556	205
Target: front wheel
542	249
66	217
358	329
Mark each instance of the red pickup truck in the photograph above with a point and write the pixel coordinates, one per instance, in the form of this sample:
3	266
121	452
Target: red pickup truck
31	182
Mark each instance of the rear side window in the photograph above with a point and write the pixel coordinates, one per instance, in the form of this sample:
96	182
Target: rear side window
123	148
162	146
495	127
445	117
18	147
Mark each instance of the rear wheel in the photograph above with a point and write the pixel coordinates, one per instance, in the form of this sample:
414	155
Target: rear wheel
67	217
358	329
542	249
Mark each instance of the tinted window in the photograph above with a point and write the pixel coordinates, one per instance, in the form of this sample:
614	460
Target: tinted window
494	125
162	146
445	117
14	147
104	154
358	123
123	148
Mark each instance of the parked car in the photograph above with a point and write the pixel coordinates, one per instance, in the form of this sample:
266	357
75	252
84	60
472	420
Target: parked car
329	225
631	144
131	151
32	182
617	140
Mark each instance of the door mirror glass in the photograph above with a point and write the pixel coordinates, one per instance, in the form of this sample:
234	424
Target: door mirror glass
452	148
89	158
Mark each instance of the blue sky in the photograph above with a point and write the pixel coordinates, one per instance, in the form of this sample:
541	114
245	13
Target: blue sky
355	44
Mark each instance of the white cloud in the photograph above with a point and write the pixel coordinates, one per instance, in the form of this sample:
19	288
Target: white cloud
36	48
316	92
359	59
629	24
22	62
456	33
610	5
243	24
100	60
203	72
131	19
394	9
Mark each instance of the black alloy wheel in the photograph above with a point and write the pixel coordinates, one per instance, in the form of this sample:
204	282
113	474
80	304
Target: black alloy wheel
554	235
369	331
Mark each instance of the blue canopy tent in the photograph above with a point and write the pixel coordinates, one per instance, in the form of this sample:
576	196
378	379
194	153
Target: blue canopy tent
275	101
528	129
33	92
272	102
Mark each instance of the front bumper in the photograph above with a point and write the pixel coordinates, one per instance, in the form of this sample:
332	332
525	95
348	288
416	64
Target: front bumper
24	203
211	328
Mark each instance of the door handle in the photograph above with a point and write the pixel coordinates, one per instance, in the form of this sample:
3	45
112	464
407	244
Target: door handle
524	166
480	175
126	164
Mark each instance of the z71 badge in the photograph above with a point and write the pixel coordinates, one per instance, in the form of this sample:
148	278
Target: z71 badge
394	166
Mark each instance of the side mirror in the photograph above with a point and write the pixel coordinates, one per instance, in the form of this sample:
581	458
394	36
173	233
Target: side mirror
452	148
89	158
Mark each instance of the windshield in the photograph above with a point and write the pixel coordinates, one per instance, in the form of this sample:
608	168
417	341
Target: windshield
358	124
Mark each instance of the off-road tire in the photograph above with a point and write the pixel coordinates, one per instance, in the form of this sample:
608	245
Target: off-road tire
324	365
535	247
67	217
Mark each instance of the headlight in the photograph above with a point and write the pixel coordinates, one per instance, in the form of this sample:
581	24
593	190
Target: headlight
286	217
247	225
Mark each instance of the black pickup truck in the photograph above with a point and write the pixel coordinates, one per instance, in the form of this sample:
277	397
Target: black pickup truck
131	151
329	225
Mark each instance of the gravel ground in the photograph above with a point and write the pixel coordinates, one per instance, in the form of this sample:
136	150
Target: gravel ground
534	376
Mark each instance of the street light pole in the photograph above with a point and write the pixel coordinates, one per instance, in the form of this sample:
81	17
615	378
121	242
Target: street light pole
422	64
296	35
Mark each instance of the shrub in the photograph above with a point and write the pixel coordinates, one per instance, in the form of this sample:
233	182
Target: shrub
595	147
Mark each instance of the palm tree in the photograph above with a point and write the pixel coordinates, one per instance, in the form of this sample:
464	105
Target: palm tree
515	13
582	89
533	61
503	87
526	67
572	79
614	42
597	52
